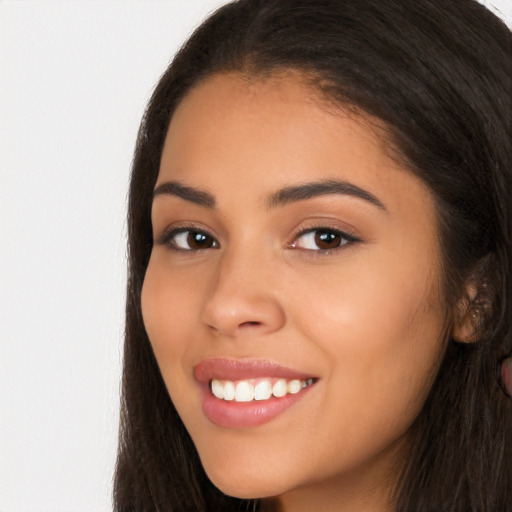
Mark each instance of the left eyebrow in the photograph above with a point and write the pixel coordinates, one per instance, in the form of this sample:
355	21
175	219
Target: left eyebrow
321	188
194	195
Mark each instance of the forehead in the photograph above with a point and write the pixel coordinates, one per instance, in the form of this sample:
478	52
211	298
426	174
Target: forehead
234	132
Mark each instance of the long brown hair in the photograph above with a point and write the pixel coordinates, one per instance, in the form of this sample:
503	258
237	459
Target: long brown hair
438	75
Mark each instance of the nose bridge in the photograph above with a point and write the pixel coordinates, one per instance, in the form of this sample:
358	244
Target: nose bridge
243	296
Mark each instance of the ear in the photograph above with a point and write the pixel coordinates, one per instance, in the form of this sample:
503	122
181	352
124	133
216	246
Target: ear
474	310
467	321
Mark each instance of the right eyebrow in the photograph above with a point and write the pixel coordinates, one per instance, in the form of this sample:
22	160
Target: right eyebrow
194	195
321	188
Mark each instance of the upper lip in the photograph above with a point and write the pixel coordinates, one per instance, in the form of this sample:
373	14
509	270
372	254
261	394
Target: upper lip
240	369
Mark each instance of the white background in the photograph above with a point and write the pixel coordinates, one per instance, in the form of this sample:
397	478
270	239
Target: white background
74	79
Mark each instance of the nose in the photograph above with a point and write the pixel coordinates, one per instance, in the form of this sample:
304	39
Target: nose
243	298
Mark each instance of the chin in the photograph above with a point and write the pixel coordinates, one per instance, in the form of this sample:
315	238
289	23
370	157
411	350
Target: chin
245	484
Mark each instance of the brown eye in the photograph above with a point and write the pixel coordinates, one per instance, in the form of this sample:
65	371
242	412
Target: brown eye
197	240
189	240
323	239
327	239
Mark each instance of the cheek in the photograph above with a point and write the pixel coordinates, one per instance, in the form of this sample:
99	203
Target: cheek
383	333
370	307
166	299
168	304
169	301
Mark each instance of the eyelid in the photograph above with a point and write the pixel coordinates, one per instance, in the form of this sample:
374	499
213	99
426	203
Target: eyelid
171	231
165	238
344	233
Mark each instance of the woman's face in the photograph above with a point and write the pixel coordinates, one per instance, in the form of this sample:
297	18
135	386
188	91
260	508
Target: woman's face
292	256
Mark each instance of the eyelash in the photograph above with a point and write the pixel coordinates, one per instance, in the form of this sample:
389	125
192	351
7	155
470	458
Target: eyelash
169	238
346	239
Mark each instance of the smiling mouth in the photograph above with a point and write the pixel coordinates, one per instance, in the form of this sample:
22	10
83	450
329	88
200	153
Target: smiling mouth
261	389
247	393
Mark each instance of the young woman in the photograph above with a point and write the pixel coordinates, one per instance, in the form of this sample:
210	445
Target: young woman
320	247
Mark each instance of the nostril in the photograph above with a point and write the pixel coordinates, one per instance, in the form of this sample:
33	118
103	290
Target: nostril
250	324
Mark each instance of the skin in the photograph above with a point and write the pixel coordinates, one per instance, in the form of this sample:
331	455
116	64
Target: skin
368	318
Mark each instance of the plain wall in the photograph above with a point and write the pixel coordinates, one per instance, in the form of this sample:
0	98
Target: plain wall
75	76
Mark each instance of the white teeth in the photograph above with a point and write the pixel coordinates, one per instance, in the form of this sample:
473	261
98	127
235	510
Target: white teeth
279	388
244	392
217	388
262	389
294	386
229	390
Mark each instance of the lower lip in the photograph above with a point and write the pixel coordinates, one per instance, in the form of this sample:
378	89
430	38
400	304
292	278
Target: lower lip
231	414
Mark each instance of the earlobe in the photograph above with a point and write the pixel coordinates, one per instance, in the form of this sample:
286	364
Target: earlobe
467	330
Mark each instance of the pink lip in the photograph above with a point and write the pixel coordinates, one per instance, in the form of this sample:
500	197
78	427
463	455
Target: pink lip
230	414
239	369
